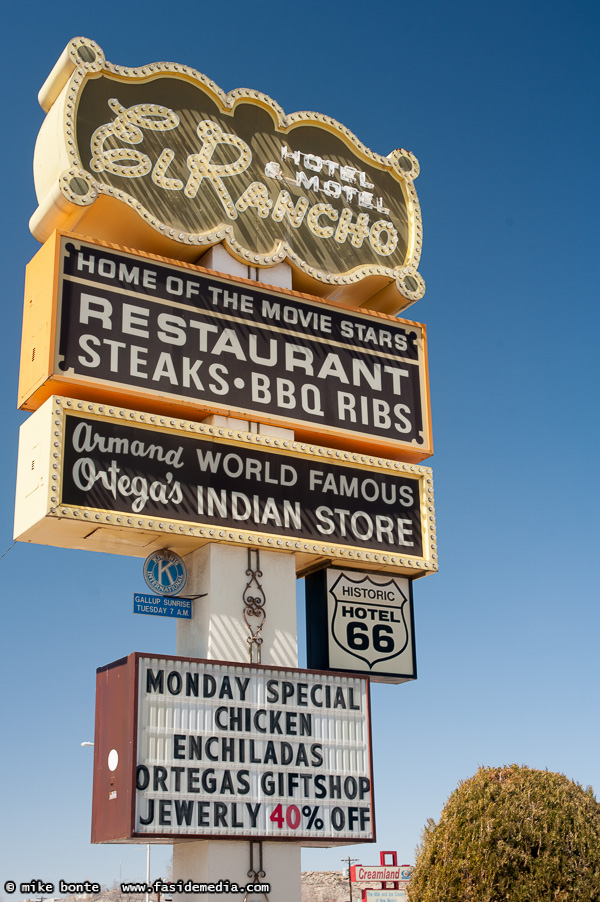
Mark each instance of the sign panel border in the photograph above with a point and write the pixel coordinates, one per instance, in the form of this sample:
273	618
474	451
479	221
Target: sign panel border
117	722
42	370
181	534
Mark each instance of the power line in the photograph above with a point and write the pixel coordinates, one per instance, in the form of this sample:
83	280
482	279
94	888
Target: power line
8	549
349	860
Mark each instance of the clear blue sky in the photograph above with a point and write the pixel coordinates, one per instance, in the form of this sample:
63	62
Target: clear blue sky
500	105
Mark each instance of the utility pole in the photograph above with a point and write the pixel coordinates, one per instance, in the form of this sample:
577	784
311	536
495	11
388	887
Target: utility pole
349	860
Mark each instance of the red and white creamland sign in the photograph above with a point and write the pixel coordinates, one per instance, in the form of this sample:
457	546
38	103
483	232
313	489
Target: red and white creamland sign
385	873
193	748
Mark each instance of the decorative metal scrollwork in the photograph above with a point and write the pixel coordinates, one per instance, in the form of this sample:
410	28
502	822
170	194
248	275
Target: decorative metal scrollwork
256	874
254	606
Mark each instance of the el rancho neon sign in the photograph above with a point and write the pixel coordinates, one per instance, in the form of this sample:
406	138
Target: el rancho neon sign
189	166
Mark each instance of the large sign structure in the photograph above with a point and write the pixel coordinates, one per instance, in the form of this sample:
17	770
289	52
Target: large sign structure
92	476
187	748
161	159
128	345
137	331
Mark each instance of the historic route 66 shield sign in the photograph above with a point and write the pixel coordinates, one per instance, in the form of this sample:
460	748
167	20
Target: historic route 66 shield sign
361	622
368	620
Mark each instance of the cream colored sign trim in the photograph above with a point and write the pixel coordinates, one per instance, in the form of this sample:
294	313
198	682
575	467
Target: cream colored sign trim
350	220
232	437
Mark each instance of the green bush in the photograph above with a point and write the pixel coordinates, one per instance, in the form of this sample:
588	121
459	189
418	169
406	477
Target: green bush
511	834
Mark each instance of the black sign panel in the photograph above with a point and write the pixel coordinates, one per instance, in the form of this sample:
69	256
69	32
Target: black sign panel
148	472
132	322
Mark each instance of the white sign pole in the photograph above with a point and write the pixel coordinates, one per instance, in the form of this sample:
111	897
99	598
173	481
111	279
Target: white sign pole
219	631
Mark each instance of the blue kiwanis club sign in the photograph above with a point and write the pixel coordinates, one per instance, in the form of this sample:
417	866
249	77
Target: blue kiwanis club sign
161	606
165	572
